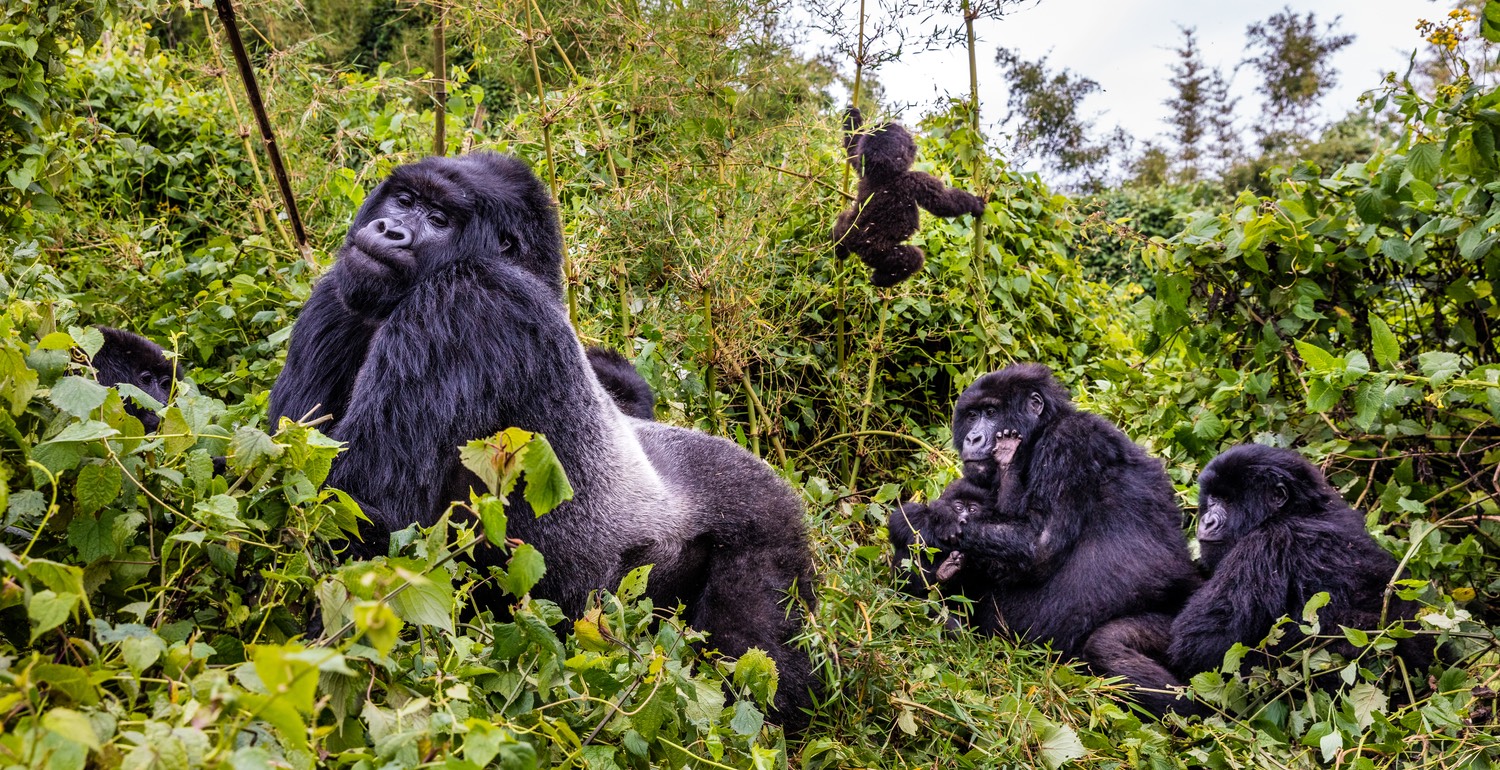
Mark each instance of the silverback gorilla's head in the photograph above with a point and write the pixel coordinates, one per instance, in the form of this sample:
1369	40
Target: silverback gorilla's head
1001	412
425	215
1250	484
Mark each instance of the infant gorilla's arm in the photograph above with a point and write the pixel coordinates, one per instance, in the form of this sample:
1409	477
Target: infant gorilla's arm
942	200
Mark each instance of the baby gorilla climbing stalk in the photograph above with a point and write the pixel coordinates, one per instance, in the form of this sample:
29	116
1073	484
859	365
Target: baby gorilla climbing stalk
885	214
442	321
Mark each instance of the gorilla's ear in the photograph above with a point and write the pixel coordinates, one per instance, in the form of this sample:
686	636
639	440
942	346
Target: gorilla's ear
1036	403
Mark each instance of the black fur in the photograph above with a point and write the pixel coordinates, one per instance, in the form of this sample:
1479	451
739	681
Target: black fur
1273	533
885	214
623	383
415	349
1083	534
127	357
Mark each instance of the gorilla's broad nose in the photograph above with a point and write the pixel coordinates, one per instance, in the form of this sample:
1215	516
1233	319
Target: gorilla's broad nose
391	233
974	439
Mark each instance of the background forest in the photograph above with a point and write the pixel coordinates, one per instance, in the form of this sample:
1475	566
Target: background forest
1326	287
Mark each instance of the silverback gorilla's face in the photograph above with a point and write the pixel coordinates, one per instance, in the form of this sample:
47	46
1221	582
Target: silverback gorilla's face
999	413
407	228
481	207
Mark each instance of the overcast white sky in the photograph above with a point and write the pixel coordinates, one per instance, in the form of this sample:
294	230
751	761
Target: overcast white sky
1126	45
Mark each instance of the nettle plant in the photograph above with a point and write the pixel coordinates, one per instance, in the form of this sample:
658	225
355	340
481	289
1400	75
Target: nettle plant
154	612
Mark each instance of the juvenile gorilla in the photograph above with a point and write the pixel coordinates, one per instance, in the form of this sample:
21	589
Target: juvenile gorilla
129	358
623	383
885	214
1082	546
1273	533
443	320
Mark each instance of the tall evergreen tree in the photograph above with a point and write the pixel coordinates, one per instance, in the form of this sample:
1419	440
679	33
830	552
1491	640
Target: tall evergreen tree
1046	120
1294	57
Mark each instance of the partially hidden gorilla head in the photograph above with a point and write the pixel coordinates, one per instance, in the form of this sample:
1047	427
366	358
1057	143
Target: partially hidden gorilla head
623	383
1001	412
431	213
1249	485
129	358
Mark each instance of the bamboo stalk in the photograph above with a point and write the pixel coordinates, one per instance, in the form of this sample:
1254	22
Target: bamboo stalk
440	83
541	96
225	9
239	123
840	320
978	254
710	374
868	402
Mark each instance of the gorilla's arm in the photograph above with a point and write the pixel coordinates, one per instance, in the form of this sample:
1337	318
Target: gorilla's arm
940	199
328	347
853	122
435	378
1007	548
1237	606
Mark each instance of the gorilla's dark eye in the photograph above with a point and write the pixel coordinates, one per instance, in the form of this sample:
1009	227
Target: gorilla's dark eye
404	198
438	219
989	411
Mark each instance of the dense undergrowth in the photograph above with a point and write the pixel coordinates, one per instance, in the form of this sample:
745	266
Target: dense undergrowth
154	614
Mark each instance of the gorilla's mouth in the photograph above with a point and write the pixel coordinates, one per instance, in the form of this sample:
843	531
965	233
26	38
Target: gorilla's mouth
1006	443
394	258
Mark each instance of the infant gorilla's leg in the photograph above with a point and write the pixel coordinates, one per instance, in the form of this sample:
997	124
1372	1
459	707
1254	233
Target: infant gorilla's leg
894	265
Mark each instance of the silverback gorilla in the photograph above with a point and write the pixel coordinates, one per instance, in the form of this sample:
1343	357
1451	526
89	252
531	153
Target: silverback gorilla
1272	534
443	321
1082	542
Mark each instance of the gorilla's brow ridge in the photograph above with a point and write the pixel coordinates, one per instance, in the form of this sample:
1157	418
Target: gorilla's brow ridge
442	187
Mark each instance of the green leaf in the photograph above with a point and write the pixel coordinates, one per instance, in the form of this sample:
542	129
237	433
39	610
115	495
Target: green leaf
747	719
1318	360
546	483
1206	424
755	672
1318	601
250	446
1422	160
495	459
48	610
1397	249
1387	350
177	431
1370	205
1321	396
428	600
141	652
72	725
55	341
1059	744
1440	366
78	396
491	517
1368	400
1489	25
79	432
97	486
526	570
379	623
1368	700
633	585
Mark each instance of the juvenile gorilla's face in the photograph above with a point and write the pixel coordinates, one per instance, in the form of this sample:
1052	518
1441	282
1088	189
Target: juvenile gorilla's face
403	233
999	413
1237	492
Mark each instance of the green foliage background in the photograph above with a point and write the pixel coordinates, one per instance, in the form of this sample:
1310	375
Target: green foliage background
153	614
